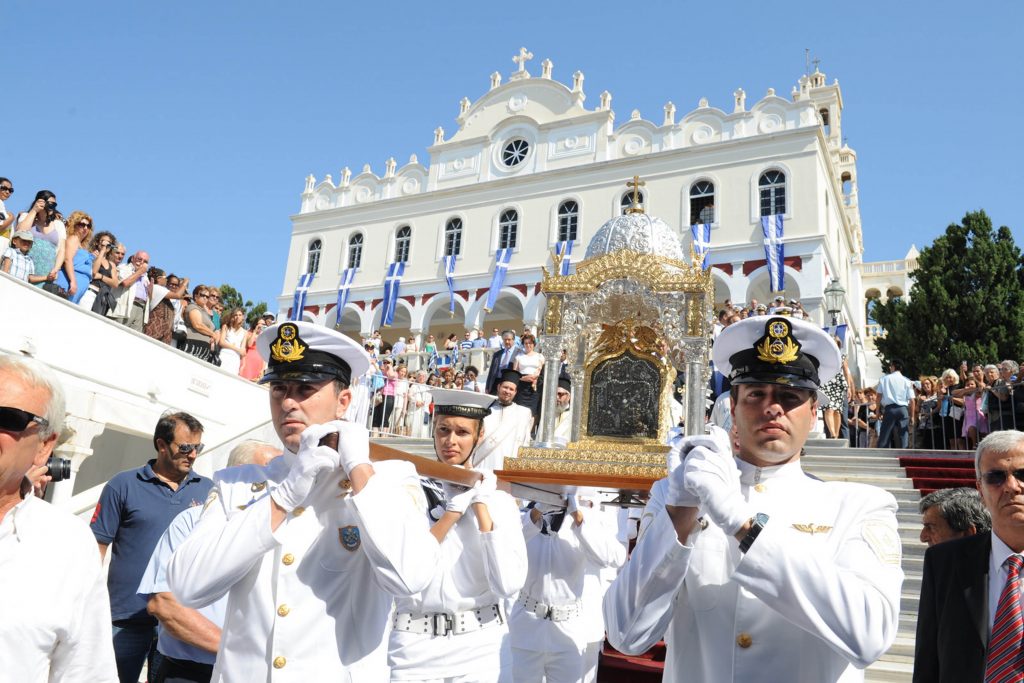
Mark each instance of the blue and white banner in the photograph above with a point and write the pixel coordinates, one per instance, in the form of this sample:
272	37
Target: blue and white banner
564	249
774	251
838	331
449	274
391	283
701	233
343	287
501	259
301	290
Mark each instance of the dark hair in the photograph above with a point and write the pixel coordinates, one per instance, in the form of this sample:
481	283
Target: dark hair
42	194
94	243
897	363
154	272
168	422
528	338
960	507
7	179
472	368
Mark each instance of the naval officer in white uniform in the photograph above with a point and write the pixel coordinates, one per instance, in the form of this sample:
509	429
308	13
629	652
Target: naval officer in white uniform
751	569
312	548
456	629
505	429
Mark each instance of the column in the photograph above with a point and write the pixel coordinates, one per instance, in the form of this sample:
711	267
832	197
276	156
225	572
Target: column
551	347
76	448
696	365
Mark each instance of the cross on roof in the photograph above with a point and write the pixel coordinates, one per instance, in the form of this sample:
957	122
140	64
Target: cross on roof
521	59
816	61
635	184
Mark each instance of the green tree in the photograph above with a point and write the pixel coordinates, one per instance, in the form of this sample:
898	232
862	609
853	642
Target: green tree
232	298
966	304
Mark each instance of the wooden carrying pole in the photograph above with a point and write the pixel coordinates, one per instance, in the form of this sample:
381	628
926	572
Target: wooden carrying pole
425	467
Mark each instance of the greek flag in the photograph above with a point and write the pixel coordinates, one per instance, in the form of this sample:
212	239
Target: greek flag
343	288
564	249
774	251
391	283
701	233
301	290
838	331
449	273
501	259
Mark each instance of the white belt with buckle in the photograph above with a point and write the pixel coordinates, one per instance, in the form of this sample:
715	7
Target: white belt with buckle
443	623
551	612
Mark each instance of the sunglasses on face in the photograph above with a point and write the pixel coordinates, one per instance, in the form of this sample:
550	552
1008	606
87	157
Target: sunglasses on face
17	421
998	477
186	448
5	188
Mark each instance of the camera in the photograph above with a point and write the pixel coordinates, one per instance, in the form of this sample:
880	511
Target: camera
58	468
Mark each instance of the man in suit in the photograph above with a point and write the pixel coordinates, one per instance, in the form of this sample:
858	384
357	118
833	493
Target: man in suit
965	578
503	359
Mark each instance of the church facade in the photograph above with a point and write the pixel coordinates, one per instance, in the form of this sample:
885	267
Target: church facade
532	169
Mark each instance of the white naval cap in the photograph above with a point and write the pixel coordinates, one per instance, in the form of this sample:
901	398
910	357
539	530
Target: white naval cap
299	351
776	350
462	403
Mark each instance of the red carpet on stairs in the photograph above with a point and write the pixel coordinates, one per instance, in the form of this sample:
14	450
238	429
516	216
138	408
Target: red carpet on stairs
616	667
930	472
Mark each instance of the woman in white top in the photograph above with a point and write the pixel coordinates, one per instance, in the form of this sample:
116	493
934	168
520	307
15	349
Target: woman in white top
399	427
419	400
457	629
529	364
232	340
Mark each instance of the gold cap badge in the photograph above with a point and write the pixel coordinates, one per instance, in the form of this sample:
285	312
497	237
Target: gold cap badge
777	345
288	346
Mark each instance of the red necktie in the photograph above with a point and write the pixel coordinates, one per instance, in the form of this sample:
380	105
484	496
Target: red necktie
1005	661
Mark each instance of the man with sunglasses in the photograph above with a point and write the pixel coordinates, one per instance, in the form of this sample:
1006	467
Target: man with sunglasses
751	569
134	510
6	217
969	614
56	622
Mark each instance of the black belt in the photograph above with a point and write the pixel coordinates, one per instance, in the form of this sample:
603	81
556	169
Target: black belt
139	302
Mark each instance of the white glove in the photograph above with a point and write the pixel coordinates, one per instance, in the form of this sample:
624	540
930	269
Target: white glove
312	459
353	444
572	504
713	477
716	440
459	498
485	488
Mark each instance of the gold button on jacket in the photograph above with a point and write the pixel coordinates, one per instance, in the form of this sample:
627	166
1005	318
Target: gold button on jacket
288	558
279	662
283	610
744	640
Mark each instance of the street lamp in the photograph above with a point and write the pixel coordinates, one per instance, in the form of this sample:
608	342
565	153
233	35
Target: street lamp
834	295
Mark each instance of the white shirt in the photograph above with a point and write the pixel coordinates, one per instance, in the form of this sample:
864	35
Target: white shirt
812	607
474	570
154	580
310	601
55	623
505	430
998	573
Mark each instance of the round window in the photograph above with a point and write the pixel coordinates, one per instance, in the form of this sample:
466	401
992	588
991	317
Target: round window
514	152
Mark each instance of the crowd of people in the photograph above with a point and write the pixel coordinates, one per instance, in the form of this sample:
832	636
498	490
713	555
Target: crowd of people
68	257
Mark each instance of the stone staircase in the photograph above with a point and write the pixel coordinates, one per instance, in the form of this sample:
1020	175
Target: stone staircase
878	467
881	467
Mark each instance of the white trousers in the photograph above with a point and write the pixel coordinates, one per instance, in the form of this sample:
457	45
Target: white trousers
529	666
591	658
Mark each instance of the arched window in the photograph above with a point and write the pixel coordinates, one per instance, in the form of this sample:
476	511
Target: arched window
402	239
568	220
508	229
702	202
453	237
355	250
772	186
627	200
823	113
313	256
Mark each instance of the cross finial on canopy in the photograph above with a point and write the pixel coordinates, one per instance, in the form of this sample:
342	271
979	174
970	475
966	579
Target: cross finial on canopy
635	184
521	59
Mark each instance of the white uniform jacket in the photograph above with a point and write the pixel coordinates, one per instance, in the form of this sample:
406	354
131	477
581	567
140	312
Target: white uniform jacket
310	601
814	600
558	564
474	570
505	430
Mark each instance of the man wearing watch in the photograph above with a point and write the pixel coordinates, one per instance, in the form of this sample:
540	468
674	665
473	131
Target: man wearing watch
751	569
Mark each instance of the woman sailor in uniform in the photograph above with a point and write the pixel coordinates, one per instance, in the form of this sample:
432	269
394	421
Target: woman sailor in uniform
456	631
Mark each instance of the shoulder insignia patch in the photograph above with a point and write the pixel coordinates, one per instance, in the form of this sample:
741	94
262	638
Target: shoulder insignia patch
812	528
348	536
883	539
258	486
213	495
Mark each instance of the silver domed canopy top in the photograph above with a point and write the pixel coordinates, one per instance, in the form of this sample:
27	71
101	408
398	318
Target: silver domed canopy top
637	232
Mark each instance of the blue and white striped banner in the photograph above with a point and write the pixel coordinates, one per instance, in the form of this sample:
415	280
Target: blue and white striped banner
449	274
564	249
501	260
838	331
701	233
391	283
774	251
301	290
343	288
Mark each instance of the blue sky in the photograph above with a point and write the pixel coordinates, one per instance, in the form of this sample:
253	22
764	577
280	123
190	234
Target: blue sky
188	128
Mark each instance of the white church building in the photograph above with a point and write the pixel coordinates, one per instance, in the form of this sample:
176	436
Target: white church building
531	165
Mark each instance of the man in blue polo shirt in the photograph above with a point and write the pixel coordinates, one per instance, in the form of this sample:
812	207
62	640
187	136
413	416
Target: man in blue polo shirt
134	510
